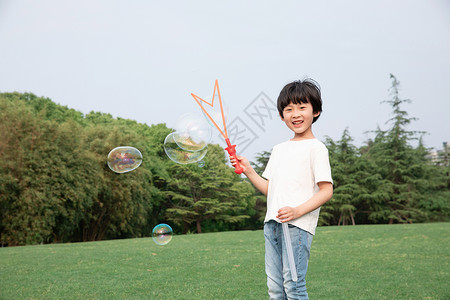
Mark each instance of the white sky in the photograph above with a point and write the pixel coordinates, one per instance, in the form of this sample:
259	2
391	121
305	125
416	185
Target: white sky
141	59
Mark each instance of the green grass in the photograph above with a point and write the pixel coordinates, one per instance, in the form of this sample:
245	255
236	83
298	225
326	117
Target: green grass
359	262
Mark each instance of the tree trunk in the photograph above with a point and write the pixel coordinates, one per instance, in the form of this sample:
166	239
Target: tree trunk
186	227
199	226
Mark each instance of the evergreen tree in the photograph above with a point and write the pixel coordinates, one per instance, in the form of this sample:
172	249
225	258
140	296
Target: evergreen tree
434	187
346	170
262	159
399	165
213	192
260	208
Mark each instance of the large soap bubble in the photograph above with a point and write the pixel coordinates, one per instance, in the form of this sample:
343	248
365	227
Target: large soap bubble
214	111
180	155
162	234
192	132
124	159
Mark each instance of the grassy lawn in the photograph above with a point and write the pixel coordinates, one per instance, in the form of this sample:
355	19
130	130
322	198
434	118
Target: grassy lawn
358	262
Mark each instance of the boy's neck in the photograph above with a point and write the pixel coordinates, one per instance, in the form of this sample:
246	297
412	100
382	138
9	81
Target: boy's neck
303	136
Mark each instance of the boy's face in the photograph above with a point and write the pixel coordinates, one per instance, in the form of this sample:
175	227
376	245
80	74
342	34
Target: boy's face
299	118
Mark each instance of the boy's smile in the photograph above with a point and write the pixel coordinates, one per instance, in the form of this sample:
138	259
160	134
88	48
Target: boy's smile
299	118
297	124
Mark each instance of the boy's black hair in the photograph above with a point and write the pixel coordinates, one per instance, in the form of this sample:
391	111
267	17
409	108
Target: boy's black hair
297	92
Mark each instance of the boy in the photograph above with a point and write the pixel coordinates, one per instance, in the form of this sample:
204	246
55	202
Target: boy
297	181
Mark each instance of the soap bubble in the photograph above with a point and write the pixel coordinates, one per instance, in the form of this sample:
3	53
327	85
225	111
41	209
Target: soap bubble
192	132
215	112
162	234
179	155
124	159
201	163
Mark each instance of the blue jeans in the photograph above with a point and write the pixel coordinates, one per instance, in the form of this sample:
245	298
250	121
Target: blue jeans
279	280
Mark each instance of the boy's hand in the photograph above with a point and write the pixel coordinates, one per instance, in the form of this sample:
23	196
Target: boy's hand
260	183
286	214
245	164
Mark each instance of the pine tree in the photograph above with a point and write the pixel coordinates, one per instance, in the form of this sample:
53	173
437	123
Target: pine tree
346	169
262	159
260	200
399	165
213	192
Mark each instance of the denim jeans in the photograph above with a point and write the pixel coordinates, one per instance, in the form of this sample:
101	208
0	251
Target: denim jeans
279	280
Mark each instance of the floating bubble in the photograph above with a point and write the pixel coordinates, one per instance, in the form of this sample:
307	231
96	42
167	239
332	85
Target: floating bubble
162	234
179	155
215	112
201	163
192	132
124	159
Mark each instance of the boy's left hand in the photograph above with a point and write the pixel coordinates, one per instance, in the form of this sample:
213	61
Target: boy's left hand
286	214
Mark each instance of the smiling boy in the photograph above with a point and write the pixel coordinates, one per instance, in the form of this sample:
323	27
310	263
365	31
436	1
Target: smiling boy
297	181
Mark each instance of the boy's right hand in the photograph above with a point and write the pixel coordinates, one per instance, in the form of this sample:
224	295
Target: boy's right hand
259	182
245	164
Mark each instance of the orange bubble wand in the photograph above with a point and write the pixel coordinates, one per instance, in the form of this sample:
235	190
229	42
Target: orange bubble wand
231	149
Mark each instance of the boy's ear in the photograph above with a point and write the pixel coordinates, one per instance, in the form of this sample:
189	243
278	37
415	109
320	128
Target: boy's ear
281	116
316	114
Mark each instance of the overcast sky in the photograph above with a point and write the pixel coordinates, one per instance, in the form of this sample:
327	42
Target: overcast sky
141	59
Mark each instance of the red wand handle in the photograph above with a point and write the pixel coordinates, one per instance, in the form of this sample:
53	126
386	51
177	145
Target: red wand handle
232	151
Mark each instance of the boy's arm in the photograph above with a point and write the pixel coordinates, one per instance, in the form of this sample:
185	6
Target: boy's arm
324	194
259	182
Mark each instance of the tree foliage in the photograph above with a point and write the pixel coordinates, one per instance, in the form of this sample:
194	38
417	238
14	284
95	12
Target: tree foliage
348	173
55	185
401	167
213	192
388	180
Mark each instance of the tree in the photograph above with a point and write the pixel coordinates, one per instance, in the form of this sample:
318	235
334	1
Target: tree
122	203
400	166
262	159
213	192
42	186
54	182
346	170
434	187
260	200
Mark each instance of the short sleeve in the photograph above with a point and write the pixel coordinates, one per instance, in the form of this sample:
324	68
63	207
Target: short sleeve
268	171
321	166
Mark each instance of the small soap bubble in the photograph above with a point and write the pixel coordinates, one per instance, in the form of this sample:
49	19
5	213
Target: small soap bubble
179	155
124	159
162	234
192	132
201	163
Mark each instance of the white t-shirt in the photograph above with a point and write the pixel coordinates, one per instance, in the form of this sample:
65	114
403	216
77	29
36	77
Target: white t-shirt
293	171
